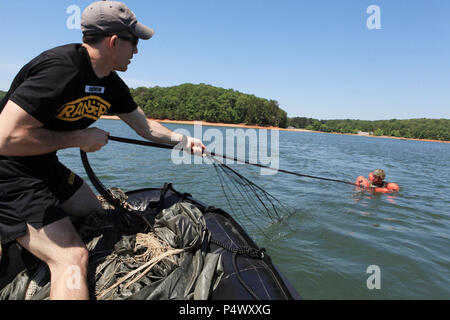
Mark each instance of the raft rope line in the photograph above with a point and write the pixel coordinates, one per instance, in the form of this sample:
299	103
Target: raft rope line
260	203
214	154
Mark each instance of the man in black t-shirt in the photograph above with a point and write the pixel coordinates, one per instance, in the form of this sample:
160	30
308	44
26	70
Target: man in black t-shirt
50	105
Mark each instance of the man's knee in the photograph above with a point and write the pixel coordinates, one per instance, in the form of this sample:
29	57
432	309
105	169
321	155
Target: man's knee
69	259
71	252
56	244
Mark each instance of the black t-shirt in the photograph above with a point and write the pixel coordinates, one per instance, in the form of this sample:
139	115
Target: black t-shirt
60	89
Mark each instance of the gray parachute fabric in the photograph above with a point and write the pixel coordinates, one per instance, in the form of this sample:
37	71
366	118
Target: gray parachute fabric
170	263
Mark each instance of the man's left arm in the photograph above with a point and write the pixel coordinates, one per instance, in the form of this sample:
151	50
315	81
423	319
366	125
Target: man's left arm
154	131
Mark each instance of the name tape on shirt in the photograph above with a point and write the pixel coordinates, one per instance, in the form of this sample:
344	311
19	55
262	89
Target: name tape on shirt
94	89
87	107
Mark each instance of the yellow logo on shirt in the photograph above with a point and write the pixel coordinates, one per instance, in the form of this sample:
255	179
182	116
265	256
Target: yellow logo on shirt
87	107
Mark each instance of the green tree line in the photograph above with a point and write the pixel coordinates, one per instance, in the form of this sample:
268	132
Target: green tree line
2	94
208	103
437	129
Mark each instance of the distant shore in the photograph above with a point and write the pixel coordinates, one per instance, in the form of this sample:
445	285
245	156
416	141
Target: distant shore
243	125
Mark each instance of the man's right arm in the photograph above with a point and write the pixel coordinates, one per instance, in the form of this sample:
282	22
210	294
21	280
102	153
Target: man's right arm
23	135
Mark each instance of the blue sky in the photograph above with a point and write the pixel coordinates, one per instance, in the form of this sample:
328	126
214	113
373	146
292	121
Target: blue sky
316	58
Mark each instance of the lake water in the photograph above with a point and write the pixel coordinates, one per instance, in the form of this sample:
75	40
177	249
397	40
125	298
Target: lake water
336	232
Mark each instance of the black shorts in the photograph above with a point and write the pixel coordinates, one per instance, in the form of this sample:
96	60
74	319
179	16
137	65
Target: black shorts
31	191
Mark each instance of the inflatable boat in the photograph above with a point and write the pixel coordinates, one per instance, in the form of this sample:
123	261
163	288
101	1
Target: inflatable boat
225	264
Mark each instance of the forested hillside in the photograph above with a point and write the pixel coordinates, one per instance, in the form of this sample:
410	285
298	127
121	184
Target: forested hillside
208	103
437	129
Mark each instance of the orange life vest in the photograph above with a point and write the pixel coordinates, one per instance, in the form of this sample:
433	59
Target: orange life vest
385	188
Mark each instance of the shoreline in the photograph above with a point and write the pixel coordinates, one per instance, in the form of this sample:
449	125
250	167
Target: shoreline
242	125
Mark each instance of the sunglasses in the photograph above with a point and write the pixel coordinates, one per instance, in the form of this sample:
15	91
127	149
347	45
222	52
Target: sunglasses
134	41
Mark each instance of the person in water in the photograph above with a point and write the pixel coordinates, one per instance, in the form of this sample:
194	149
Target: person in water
376	182
377	178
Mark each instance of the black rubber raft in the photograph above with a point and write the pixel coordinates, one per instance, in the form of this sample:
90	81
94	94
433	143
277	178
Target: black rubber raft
248	272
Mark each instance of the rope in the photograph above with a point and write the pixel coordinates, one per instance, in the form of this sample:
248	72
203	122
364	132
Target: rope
168	146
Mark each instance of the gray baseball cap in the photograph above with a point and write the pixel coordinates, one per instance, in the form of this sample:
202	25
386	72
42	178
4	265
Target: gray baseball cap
109	17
